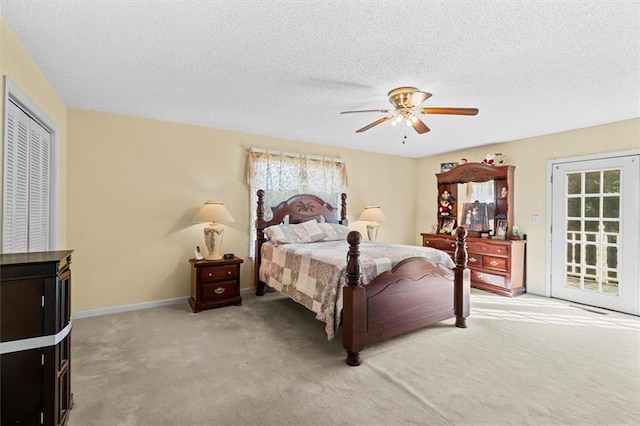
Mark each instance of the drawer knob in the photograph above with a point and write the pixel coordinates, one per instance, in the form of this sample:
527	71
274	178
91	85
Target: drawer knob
494	263
473	259
210	274
219	290
481	276
228	272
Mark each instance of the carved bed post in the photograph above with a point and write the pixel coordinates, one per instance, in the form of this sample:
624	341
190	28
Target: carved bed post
354	320
462	280
343	210
260	286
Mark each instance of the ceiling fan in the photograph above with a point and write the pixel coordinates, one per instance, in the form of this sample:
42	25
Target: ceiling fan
406	100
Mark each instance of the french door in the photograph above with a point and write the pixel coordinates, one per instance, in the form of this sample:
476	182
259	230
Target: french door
594	232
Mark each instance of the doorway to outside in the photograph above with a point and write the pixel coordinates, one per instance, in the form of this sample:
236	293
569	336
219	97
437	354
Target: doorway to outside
594	229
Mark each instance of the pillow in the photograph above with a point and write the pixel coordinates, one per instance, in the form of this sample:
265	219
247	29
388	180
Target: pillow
334	231
305	232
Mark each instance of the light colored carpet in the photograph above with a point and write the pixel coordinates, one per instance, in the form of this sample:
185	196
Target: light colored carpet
527	360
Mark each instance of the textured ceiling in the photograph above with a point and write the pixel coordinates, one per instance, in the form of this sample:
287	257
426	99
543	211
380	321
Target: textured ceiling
287	68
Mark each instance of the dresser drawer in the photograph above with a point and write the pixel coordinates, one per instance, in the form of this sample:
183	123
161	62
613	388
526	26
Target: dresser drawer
221	290
218	273
494	262
483	277
474	260
439	243
485	248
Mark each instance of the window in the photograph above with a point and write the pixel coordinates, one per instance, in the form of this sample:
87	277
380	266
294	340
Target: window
27	181
282	175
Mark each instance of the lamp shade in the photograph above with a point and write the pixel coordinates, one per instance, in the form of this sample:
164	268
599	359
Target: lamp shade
372	214
213	211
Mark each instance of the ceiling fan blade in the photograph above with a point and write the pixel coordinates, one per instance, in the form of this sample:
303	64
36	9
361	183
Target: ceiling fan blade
375	123
419	126
417	98
384	111
452	111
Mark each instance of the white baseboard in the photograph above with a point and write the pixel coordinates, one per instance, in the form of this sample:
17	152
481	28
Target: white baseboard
126	308
136	306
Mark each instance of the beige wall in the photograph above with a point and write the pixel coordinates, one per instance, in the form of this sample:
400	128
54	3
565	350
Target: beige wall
17	65
134	185
530	157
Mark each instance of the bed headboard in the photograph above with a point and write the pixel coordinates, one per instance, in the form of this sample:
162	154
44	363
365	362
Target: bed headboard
301	208
298	208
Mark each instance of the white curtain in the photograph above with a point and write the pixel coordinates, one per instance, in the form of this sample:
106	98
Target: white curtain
282	175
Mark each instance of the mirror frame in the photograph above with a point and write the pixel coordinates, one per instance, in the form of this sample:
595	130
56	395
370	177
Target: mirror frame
479	172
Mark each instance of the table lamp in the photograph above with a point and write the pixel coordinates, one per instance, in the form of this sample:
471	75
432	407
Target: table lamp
214	212
373	215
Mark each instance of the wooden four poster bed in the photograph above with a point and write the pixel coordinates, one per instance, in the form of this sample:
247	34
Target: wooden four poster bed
411	294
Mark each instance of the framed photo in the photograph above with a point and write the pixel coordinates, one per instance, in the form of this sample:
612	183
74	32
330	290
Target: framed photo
475	217
445	167
448	225
502	228
515	233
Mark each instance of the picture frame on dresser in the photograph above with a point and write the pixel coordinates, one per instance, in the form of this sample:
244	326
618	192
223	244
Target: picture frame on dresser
448	225
501	231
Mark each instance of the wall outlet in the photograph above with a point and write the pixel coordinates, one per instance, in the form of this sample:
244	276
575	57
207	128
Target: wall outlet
535	219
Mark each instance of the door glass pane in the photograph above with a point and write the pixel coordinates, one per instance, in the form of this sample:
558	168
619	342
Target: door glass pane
612	257
573	225
611	207
592	206
591	255
574	183
611	182
613	227
574	207
592	183
610	288
591	225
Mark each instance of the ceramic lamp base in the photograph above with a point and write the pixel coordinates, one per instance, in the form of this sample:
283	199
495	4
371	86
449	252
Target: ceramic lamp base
213	235
372	231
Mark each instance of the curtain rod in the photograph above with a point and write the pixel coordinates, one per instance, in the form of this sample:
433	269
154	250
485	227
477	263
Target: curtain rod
295	154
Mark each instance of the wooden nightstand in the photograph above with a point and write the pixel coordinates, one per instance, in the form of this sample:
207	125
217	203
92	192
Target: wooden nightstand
215	283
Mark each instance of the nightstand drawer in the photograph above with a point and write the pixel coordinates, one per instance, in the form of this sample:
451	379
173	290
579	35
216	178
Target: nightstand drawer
218	273
221	290
483	277
494	263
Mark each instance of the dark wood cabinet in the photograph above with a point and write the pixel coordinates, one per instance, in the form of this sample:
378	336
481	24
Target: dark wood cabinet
215	283
497	266
35	338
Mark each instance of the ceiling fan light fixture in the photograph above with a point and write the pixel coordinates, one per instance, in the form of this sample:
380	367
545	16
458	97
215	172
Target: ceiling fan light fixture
406	101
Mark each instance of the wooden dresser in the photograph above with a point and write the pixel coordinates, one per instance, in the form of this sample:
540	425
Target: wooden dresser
496	265
35	333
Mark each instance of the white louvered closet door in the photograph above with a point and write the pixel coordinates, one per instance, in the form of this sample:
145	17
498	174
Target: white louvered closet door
27	180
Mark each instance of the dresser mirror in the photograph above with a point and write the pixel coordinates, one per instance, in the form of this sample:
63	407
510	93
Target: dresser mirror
476	205
478	197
